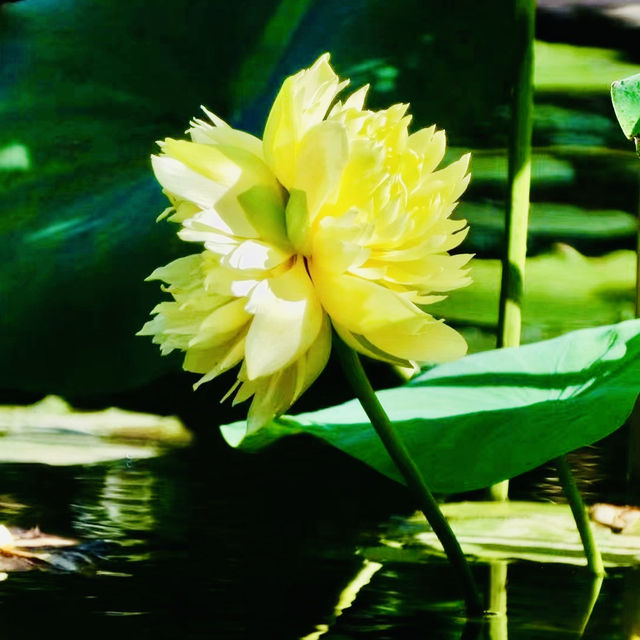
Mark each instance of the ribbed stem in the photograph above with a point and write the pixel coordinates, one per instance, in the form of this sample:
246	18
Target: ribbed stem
361	386
594	559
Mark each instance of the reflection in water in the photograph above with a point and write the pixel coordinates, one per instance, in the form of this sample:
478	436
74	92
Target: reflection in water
631	605
243	561
348	595
497	618
592	598
118	505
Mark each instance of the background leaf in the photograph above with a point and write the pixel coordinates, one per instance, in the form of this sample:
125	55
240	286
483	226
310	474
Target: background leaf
87	87
625	95
492	415
513	530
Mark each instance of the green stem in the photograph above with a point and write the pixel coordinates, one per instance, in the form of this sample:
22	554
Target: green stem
518	188
633	449
518	180
594	559
400	455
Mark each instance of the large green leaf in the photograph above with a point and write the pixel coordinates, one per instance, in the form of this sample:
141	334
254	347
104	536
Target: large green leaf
625	95
492	415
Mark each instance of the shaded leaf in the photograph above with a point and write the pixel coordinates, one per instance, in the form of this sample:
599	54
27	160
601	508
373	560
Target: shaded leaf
492	415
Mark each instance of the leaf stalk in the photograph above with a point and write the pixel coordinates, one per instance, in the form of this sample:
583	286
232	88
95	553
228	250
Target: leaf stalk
400	455
594	559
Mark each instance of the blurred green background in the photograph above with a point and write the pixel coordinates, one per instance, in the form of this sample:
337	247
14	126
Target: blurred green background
87	86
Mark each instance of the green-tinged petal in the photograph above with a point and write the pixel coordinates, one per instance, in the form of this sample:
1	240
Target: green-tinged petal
298	222
287	319
212	177
360	305
264	207
364	346
180	271
425	340
182	210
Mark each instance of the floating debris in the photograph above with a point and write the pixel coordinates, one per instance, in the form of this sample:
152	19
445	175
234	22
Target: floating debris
618	519
31	549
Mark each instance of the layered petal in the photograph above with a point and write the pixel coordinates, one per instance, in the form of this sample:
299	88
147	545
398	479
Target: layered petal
275	393
302	102
226	181
339	217
287	318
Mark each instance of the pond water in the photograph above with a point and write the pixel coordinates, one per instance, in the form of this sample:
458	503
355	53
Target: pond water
203	544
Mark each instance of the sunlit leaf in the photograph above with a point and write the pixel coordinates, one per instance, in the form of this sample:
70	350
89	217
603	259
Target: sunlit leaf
51	432
492	415
504	531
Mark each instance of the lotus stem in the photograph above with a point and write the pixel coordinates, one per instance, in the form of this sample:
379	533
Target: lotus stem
518	189
594	559
518	182
497	621
633	455
400	455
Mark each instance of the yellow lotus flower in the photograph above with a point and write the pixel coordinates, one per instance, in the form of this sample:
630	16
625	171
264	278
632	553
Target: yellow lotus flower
337	217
